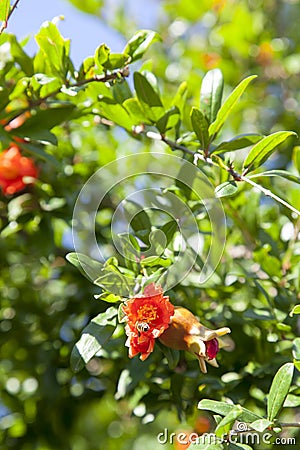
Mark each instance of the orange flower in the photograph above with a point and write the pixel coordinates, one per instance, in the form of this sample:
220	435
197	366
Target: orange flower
147	316
185	332
13	168
210	60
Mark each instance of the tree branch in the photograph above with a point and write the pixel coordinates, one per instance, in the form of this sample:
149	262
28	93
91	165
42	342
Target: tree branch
121	73
229	168
5	22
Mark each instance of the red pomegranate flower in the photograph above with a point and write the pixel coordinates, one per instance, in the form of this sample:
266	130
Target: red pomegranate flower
147	316
13	168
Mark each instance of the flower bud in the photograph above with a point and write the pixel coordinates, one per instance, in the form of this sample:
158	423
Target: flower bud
185	332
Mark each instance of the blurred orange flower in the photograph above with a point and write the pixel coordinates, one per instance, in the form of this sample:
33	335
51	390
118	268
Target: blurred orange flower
185	332
13	168
210	60
147	316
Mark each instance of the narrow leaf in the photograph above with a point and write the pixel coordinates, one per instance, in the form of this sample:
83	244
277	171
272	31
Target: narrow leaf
152	261
93	338
115	112
4	9
226	189
211	94
277	173
223	408
169	229
137	216
116	61
296	348
263	149
296	157
101	54
279	390
44	119
225	425
237	143
200	126
89	267
37	151
169	120
228	105
139	43
295	310
145	91
260	425
180	96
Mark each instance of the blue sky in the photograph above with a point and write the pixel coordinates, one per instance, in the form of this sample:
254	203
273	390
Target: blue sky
86	32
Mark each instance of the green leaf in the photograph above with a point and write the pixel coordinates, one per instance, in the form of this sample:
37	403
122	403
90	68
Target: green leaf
211	94
263	149
296	348
88	6
292	401
38	152
295	310
4	9
137	216
20	56
115	112
279	390
225	425
93	338
130	251
38	125
277	173
54	50
296	157
108	297
223	408
180	96
135	110
139	43
116	61
101	54
89	267
260	425
169	229
228	105
145	92
237	143
171	355
226	189
200	126
169	120
152	261
122	92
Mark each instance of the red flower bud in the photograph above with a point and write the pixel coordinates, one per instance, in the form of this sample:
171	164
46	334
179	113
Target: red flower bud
185	332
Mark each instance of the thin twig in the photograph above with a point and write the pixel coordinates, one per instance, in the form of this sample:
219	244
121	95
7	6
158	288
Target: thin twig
5	22
97	78
236	176
289	424
270	194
